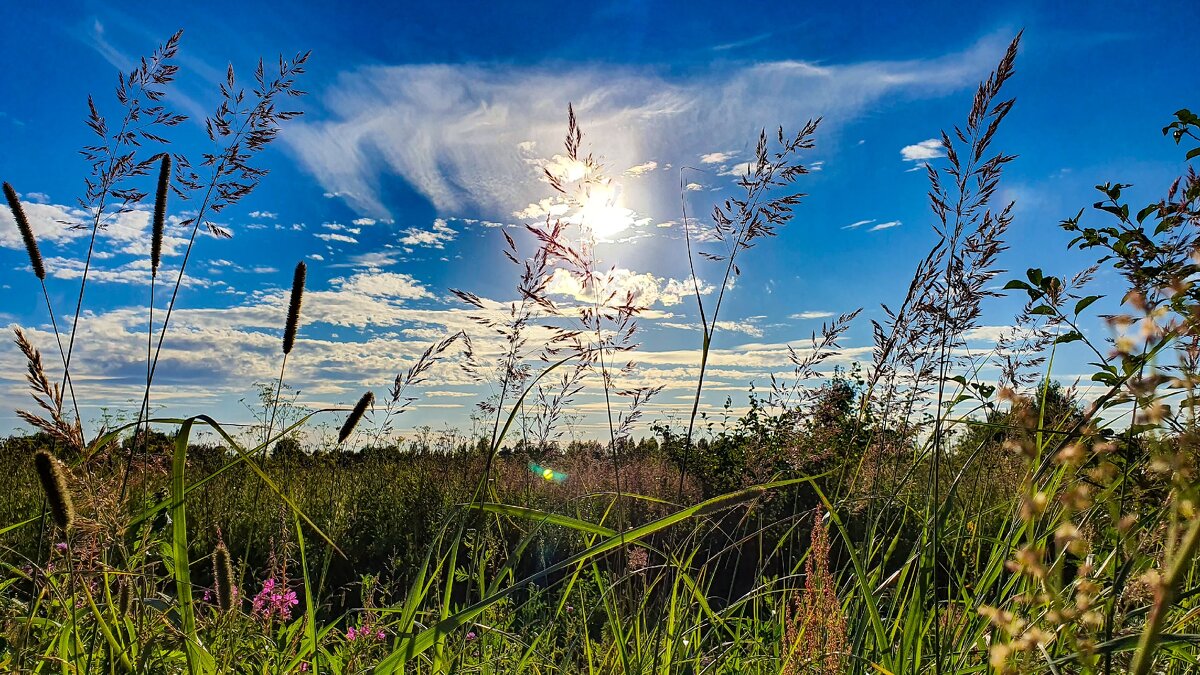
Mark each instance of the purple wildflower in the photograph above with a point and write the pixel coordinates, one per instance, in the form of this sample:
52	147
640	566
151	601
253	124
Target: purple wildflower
274	602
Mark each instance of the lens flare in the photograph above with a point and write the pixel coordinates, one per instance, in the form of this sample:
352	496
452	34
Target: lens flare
547	473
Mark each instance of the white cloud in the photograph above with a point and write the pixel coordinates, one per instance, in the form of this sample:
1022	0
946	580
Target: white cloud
266	215
884	226
382	285
640	169
746	327
461	135
333	236
811	315
693	187
437	237
857	224
363	221
50	223
923	151
121	233
716	157
647	289
739	169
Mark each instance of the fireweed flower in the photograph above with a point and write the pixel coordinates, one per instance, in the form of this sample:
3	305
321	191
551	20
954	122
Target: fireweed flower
274	602
365	633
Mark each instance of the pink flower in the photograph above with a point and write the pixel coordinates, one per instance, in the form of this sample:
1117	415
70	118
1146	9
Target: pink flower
470	635
274	603
365	632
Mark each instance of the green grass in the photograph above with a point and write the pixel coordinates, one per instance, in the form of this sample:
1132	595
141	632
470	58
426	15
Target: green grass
906	516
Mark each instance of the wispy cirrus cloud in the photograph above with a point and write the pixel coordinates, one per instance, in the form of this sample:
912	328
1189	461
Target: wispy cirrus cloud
467	136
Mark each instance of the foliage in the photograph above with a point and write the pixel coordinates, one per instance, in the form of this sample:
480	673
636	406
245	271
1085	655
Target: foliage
907	515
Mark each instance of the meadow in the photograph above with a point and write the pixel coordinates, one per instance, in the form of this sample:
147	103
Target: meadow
904	515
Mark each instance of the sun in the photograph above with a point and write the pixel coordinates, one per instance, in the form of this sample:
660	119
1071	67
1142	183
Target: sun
601	212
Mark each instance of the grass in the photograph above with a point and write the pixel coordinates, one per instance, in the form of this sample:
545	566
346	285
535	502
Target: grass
906	516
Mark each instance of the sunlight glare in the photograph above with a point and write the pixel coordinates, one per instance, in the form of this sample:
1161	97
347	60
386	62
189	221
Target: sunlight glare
601	212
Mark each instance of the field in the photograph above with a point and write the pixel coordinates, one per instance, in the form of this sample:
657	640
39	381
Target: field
903	515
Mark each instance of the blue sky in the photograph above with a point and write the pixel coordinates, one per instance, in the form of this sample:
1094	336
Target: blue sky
425	129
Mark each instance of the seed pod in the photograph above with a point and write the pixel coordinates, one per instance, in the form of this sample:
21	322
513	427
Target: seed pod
293	315
31	246
223	576
355	415
50	473
160	213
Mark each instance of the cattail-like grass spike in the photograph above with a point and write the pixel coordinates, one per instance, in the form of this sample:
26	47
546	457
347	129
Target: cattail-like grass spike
355	416
223	576
31	246
125	597
293	315
160	213
50	473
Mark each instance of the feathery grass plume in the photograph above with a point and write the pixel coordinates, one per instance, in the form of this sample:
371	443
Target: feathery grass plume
35	255
355	415
816	628
160	213
223	576
50	473
293	315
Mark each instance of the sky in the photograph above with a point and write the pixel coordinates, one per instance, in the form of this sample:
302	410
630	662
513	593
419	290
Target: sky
424	136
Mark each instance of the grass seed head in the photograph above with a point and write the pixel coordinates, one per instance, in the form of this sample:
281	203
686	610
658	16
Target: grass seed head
125	597
54	482
31	246
223	576
355	415
293	315
160	213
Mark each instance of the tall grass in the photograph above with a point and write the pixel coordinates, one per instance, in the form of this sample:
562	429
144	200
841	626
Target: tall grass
916	514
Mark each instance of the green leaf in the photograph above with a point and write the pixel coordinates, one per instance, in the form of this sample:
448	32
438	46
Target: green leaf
1073	336
1084	303
198	659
